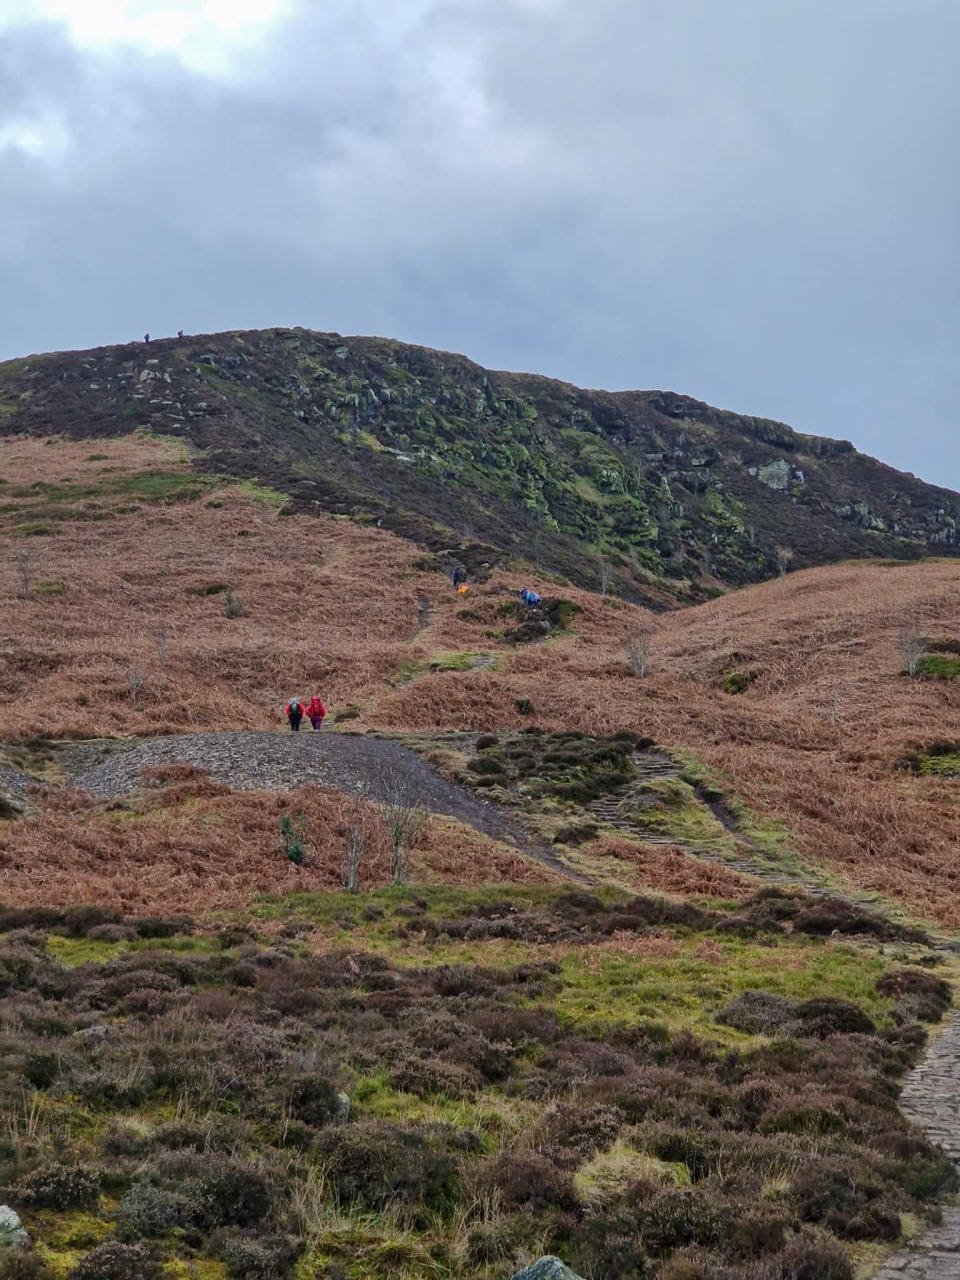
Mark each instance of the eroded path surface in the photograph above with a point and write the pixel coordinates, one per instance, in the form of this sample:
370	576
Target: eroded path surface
931	1098
285	761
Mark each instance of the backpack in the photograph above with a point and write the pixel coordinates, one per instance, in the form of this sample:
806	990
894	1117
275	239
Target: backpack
294	707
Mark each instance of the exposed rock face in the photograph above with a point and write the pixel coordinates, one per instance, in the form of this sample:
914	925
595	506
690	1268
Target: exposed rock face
676	495
12	1233
547	1269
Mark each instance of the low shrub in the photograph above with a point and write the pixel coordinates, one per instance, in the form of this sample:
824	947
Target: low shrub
528	1181
375	1164
430	1077
839	1196
313	1100
149	1211
115	1261
260	1257
920	996
764	1013
229	1194
24	1264
59	1186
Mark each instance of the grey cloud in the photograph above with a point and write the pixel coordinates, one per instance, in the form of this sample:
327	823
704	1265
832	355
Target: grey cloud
752	203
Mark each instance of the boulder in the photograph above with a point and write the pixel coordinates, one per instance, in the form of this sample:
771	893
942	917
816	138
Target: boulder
12	1233
549	1268
341	1111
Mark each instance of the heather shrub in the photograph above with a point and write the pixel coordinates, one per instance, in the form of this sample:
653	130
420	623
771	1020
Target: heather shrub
24	1264
825	1016
573	1132
115	1261
841	1197
229	1194
124	1137
375	1164
111	933
528	1181
809	1256
313	1100
259	1257
150	1211
757	1012
920	996
763	1012
162	926
429	1077
672	1219
41	1069
59	1186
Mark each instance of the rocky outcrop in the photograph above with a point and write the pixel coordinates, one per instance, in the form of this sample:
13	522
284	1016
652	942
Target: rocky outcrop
12	1233
675	495
548	1268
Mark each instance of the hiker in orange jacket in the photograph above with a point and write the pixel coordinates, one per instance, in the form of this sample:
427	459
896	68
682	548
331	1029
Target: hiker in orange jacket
316	711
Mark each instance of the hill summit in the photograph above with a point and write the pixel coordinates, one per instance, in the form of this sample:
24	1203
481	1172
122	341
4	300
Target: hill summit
657	494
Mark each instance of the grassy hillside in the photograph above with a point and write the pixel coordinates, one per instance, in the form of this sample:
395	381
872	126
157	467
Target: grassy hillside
645	1053
662	495
828	743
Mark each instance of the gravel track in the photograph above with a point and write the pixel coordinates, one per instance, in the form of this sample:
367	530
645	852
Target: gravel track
254	761
12	781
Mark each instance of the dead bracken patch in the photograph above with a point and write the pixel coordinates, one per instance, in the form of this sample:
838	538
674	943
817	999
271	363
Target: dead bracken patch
192	845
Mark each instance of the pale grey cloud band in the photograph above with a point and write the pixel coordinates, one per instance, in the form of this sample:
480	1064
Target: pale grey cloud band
753	203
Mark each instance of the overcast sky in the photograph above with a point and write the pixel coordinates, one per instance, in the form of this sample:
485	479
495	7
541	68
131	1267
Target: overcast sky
751	201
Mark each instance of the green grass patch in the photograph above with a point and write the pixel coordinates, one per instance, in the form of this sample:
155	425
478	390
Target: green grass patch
939	666
412	668
670	807
684	992
261	493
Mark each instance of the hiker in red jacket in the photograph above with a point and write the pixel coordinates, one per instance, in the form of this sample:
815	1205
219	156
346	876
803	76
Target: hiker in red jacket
316	711
295	714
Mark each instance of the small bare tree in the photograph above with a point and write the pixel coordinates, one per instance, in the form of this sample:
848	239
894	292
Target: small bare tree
638	652
604	575
784	557
160	640
399	802
357	845
912	649
232	605
135	686
25	567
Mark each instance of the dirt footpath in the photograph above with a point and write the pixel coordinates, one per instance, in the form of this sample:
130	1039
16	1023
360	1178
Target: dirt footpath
255	761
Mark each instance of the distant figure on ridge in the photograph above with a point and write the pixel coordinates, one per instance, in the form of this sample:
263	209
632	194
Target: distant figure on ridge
179	333
146	337
295	714
459	575
315	712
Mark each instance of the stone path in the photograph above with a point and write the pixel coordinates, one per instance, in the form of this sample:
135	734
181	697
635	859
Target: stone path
610	811
931	1099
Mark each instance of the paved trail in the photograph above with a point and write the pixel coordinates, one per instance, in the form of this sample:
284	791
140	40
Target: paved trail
931	1098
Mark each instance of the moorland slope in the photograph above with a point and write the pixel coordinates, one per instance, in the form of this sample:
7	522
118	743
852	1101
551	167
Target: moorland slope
667	496
649	1056
792	692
